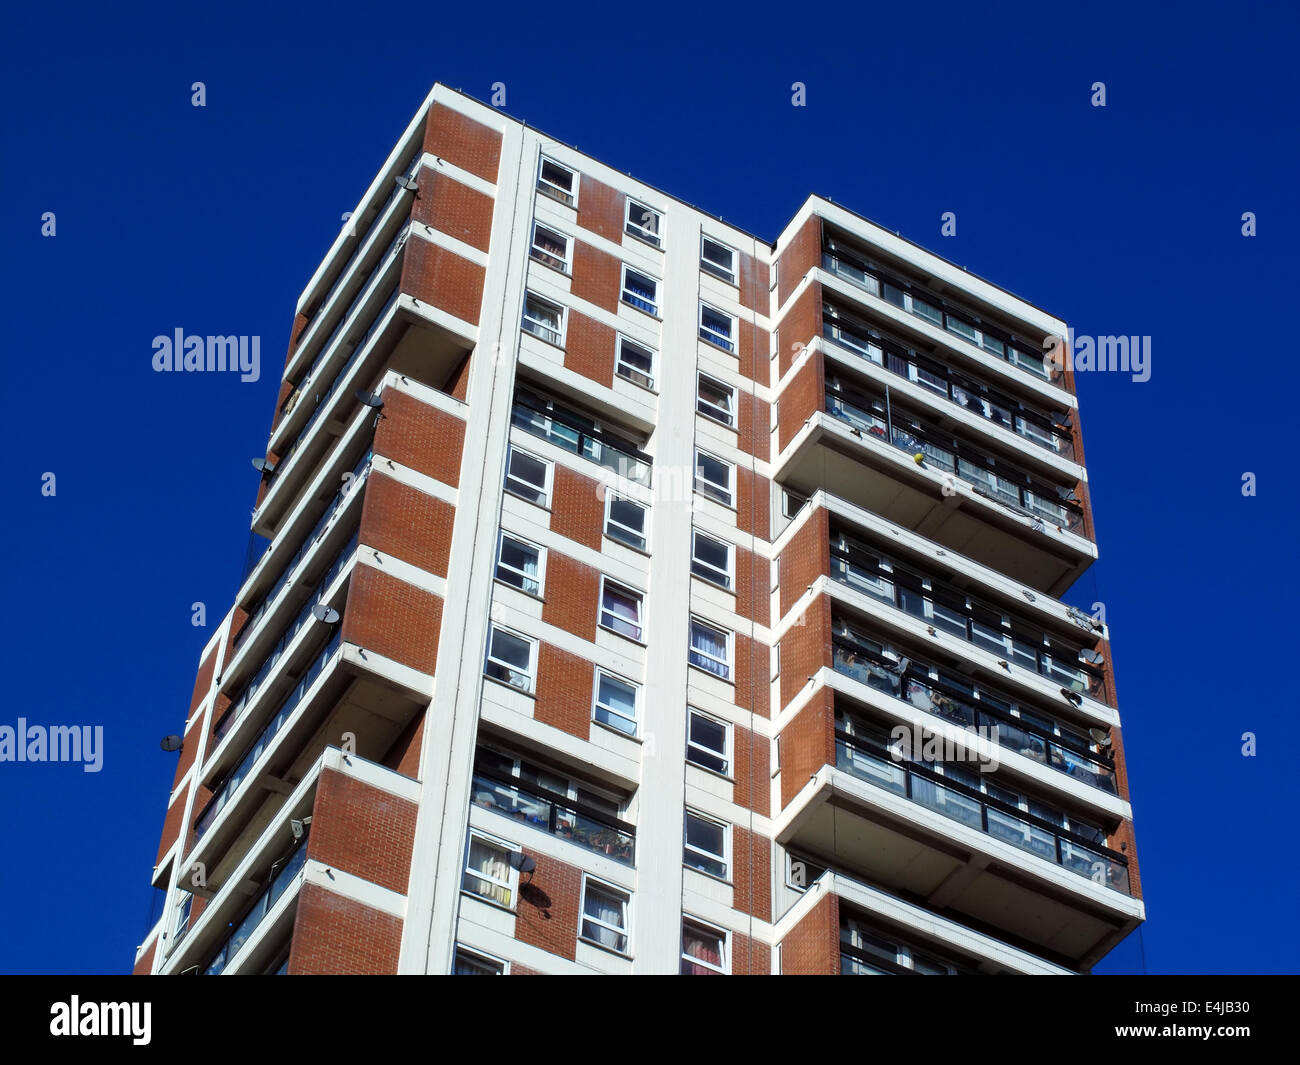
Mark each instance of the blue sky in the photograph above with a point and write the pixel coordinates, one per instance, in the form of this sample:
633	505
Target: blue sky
1122	220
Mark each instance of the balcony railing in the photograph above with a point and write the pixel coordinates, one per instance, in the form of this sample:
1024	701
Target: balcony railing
1025	732
569	430
226	790
968	328
560	817
950	609
268	601
242	930
304	615
990	477
869	761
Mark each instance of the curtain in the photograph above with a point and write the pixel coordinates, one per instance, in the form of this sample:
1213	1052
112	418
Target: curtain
610	911
491	866
703	946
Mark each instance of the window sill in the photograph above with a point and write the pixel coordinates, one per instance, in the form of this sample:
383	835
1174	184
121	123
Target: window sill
659	247
711	876
620	635
537	596
557	344
531	694
708	673
492	902
548	266
653	316
712	773
616	731
601	947
623	543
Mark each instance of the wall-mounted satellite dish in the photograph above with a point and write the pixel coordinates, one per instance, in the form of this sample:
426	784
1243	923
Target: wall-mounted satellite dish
404	182
263	465
171	743
369	399
324	613
1093	658
1100	737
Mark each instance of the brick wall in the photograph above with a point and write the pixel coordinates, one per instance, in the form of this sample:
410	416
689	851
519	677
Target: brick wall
800	325
404	522
813	946
442	279
601	209
548	907
807	744
145	965
336	936
754	282
806	557
577	508
805	648
753	506
800	255
752	599
421	437
362	830
751	861
803	396
751	754
462	142
392	618
572	595
753	424
752	666
750	957
589	349
565	684
597	277
404	755
454	209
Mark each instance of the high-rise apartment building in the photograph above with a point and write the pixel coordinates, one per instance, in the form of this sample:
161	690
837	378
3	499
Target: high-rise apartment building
641	596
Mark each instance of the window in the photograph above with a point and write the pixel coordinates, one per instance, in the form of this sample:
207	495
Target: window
711	559
558	182
616	702
708	742
519	564
471	964
710	649
715	400
800	872
718	260
604	916
717	328
705	845
644	223
640	291
543	319
792	503
713	477
625	521
620	610
511	658
489	873
528	477
704	950
636	363
550	248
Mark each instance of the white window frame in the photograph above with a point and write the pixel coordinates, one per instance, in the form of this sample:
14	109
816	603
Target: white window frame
510	884
716	269
543	256
732	418
530	674
634	593
730	343
633	373
475	955
724	756
547	477
729	574
548	187
596	704
713	490
723	968
625	897
724	857
728	639
638	229
623	291
644	534
504	535
526	319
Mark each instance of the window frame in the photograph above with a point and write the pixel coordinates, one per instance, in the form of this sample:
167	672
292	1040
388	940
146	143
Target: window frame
610	497
651	378
728	640
729	574
718	491
596	704
623	290
533	643
475	956
637	229
606	583
714	269
732	419
622	895
540	255
502	536
725	757
511	883
568	197
705	929
547	477
711	337
559	332
724	857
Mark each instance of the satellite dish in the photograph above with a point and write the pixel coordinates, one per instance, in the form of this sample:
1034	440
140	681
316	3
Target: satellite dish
1094	658
324	613
369	399
523	862
404	182
264	466
1100	737
171	743
1073	696
1061	419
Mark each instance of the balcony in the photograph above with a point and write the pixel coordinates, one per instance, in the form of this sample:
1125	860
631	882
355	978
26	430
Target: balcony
566	428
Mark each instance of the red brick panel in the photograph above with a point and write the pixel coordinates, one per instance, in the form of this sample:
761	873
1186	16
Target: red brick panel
805	558
751	861
601	209
463	142
807	743
565	684
753	424
805	648
336	936
457	383
171	826
189	748
801	324
548	907
751	669
442	279
754	283
802	398
577	508
589	349
802	254
752	770
392	618
596	276
572	595
752	503
362	830
402	521
750	957
421	437
752	599
813	946
203	681
145	965
404	755
454	209
753	352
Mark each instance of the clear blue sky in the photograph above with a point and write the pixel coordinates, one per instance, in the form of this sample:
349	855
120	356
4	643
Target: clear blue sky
1122	220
